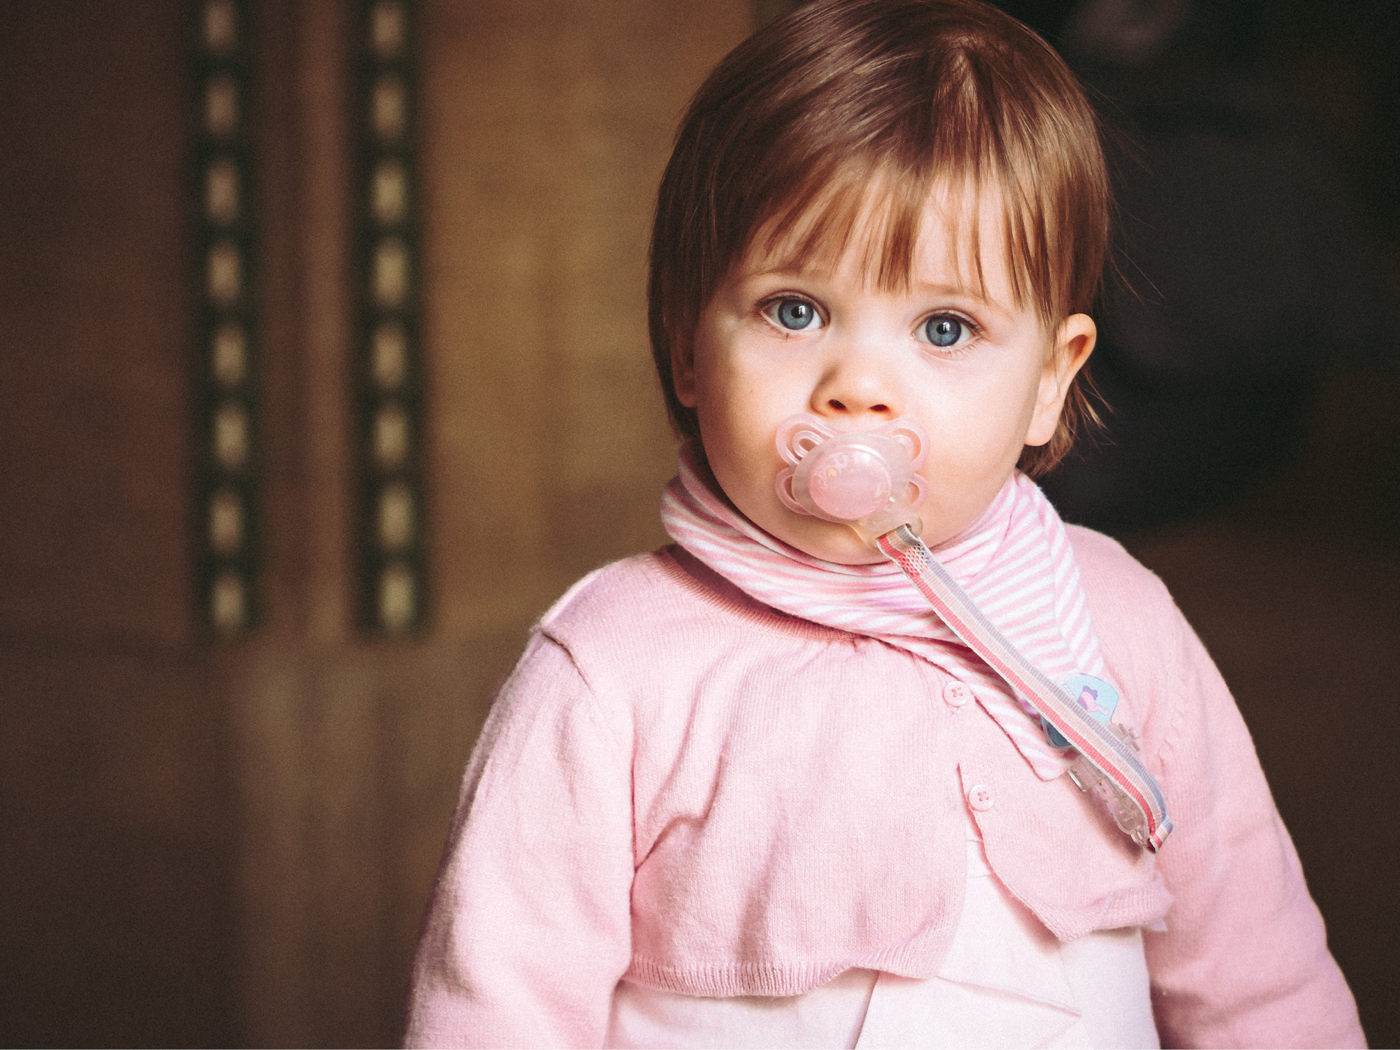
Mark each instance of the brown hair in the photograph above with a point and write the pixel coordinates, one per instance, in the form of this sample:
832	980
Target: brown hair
842	99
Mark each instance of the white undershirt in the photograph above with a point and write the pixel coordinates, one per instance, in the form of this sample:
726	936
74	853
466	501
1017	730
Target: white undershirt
1005	982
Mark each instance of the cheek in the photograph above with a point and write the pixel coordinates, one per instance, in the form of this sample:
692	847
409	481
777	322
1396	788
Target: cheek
975	448
982	421
739	446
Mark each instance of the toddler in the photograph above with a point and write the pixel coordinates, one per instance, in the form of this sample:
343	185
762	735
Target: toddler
753	789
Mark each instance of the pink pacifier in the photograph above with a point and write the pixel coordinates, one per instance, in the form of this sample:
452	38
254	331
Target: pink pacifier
867	479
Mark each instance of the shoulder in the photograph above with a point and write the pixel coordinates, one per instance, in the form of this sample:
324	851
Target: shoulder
1142	631
1107	568
586	656
631	612
663	591
647	594
1150	648
1123	594
611	591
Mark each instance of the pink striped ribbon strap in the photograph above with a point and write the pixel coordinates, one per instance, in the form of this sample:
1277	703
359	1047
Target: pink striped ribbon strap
1113	769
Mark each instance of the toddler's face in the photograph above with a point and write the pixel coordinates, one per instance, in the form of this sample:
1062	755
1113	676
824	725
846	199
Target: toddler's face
960	355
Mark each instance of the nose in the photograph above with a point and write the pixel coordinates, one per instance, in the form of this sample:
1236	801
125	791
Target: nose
856	384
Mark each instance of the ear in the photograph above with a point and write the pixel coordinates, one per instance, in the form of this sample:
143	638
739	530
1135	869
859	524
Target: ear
1071	346
683	372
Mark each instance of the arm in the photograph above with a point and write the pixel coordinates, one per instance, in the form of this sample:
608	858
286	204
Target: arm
529	928
1244	960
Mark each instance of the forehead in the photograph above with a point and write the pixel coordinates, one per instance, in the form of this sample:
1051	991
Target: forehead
947	231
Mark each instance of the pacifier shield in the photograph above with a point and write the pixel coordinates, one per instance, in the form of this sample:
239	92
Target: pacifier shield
867	478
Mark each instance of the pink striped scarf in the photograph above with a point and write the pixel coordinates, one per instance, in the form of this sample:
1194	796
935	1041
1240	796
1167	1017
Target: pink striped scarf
1015	563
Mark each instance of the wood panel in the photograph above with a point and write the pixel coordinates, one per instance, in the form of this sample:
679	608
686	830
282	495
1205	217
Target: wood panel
115	782
544	128
92	278
234	843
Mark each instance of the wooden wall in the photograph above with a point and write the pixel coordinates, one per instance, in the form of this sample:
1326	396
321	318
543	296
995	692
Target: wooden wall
232	842
116	780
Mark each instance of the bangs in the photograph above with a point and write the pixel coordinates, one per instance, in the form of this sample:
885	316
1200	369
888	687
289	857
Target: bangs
859	207
967	128
880	215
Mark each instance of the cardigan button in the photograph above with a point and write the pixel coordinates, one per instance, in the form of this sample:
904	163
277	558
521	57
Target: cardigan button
956	694
980	798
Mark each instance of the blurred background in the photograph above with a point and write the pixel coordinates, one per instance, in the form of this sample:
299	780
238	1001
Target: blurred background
325	371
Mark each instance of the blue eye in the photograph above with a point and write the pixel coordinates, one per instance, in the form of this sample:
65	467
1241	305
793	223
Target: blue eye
944	330
796	315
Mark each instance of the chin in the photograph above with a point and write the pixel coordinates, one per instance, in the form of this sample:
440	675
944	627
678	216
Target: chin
831	542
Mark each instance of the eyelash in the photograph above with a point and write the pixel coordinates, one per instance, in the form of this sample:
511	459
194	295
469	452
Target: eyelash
766	307
972	332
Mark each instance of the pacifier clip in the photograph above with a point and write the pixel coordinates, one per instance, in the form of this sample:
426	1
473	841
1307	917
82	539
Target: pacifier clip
868	479
1108	765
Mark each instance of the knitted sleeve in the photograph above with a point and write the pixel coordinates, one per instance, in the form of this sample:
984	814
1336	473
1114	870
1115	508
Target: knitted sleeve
529	927
1243	961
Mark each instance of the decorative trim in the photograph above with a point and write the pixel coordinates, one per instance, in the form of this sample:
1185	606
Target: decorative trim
388	376
226	409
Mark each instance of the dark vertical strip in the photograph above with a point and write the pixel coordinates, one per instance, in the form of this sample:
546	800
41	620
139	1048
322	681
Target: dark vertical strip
388	373
225	441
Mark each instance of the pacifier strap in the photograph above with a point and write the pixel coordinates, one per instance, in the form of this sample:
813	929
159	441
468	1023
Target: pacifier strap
1113	769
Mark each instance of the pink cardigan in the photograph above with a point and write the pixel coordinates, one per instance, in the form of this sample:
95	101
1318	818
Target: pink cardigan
682	788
